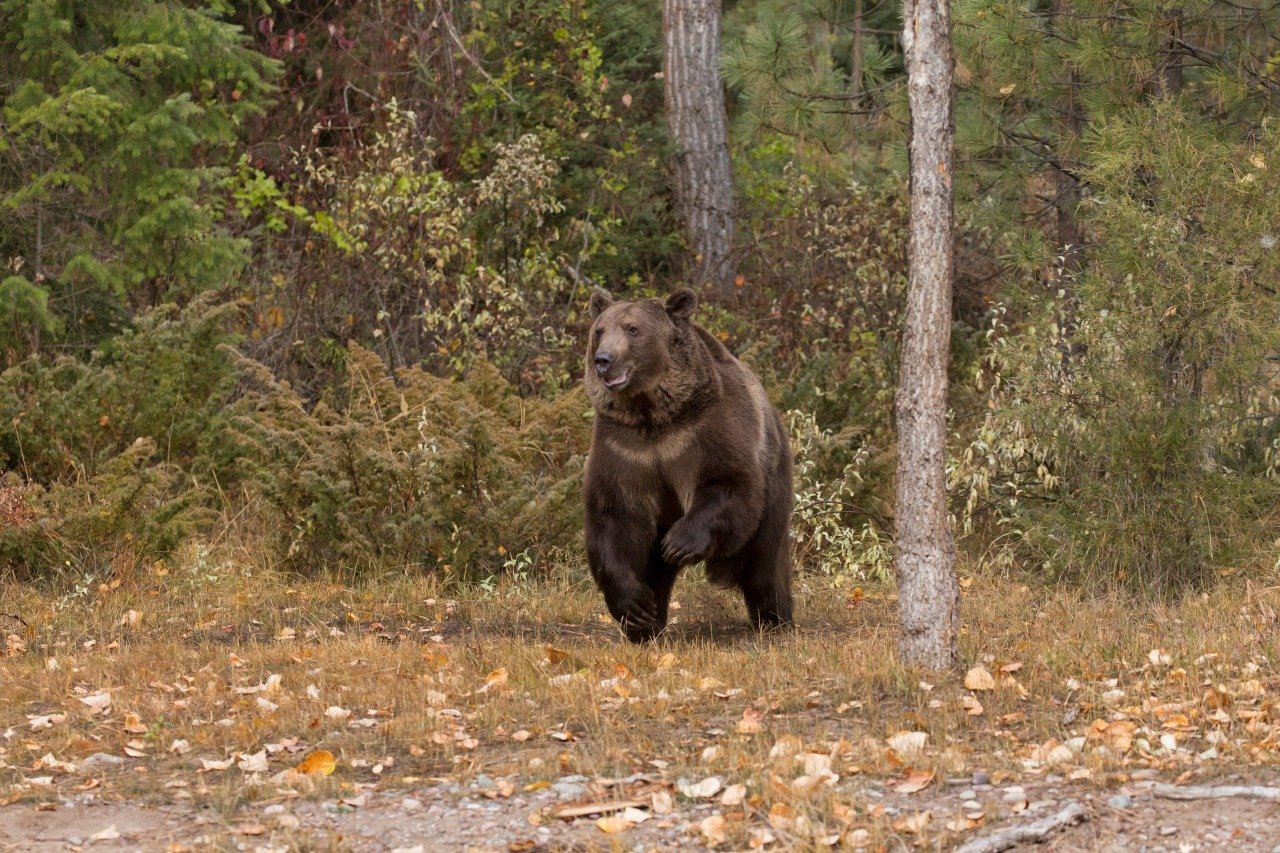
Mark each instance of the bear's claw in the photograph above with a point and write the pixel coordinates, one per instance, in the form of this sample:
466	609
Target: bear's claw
685	544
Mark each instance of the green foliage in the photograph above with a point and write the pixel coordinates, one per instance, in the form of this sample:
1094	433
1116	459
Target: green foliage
839	524
415	471
164	381
1134	448
116	115
135	509
811	70
1034	78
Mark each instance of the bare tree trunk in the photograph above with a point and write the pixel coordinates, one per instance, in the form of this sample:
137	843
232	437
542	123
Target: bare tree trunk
928	593
855	52
699	133
1169	73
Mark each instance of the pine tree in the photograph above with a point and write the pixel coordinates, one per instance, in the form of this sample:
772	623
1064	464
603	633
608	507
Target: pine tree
928	593
118	118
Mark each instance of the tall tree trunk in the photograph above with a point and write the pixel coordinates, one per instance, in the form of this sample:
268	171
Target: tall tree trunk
699	133
928	593
1070	232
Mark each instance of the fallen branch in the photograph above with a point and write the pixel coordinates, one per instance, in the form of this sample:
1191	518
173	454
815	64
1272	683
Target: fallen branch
15	617
1034	832
1214	792
569	812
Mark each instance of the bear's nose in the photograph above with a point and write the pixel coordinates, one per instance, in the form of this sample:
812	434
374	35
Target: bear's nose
604	360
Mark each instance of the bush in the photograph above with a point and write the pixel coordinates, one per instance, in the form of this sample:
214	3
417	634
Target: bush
414	471
1131	446
134	509
165	380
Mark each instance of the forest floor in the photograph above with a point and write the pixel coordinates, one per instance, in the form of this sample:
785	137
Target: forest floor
196	707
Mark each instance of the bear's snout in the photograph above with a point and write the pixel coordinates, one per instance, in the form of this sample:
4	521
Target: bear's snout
604	361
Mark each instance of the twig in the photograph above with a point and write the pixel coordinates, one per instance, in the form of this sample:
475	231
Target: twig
1214	792
15	617
1032	832
457	40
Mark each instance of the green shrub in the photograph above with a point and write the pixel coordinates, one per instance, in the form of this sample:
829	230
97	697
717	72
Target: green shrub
1133	448
134	509
165	380
414	471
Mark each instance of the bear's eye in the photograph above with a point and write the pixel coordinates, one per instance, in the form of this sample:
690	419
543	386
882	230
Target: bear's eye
633	330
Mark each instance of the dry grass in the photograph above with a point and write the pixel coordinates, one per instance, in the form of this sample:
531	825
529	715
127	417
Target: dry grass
527	683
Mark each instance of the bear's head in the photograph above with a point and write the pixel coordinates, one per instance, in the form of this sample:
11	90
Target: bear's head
634	347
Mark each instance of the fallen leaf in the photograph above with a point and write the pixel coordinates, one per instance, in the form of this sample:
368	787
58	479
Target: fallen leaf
907	743
108	834
318	763
916	780
99	701
614	824
979	678
972	706
712	829
703	790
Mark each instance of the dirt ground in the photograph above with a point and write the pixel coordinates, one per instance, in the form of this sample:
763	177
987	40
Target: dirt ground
446	816
156	718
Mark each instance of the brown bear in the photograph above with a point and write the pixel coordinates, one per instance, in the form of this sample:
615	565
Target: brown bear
689	462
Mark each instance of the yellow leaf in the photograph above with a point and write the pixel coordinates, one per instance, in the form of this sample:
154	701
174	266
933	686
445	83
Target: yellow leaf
613	824
1008	88
318	763
972	706
979	678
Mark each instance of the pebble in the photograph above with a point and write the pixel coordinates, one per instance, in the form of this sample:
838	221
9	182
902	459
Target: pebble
409	804
1168	830
1120	801
1013	794
971	805
275	808
483	782
967	794
101	758
1041	804
567	790
981	777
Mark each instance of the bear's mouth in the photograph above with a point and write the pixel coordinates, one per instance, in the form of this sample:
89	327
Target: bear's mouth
617	382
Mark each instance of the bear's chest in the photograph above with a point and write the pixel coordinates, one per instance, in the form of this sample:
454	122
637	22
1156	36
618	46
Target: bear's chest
668	466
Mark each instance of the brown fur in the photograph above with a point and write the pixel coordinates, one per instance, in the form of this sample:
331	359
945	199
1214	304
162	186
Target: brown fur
689	462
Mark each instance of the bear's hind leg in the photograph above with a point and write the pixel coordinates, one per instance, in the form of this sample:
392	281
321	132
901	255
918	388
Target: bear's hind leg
765	571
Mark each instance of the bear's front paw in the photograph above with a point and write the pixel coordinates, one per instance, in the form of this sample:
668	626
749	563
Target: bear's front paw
638	613
685	544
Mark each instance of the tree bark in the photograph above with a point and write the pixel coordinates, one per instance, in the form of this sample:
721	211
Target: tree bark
699	132
928	593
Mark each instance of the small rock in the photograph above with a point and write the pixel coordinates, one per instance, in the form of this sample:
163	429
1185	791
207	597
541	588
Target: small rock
981	777
409	804
483	782
275	808
567	790
101	758
1041	804
971	805
1013	794
1120	801
1168	830
967	794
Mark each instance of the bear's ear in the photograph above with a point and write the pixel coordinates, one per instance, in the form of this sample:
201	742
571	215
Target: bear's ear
600	300
681	303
